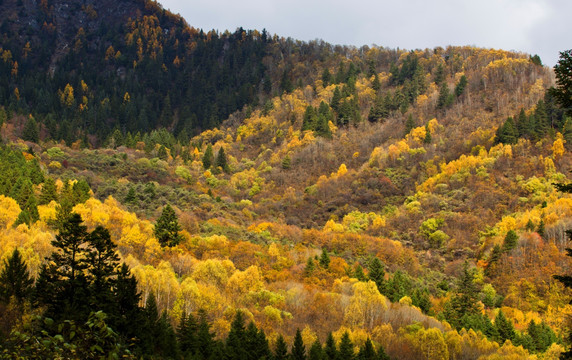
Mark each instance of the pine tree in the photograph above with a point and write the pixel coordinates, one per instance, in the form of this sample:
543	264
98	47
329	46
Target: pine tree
504	327
62	285
221	160
439	75
31	131
316	351
325	259
445	98
427	139
205	338
510	241
126	317
15	280
49	191
330	349
367	352
167	228
460	87
310	118
281	351
346	347
236	340
377	273
103	266
208	157
540	230
359	274
464	301
131	195
310	267
286	162
409	125
298	348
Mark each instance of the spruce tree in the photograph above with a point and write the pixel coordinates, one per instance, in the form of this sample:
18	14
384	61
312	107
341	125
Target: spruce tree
49	191
427	139
409	125
221	160
316	352
167	228
208	157
127	317
510	241
236	340
62	285
281	351
346	347
310	267
298	348
15	280
367	352
325	259
103	266
205	338
377	273
504	327
359	274
31	131
330	349
460	87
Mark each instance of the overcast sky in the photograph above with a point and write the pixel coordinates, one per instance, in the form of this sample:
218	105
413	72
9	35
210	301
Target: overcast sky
540	27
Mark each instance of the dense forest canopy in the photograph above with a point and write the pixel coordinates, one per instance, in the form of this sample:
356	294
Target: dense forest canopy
167	192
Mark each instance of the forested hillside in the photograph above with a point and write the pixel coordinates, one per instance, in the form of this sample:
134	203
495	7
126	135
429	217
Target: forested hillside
346	203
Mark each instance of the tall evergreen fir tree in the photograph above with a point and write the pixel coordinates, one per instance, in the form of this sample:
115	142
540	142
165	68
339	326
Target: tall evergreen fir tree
325	259
316	352
346	350
208	157
221	160
167	228
281	350
298	348
330	349
377	273
15	279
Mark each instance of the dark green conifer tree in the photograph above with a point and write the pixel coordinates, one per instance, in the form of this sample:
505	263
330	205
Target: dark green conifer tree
281	351
359	274
298	348
221	161
236	340
330	349
377	273
208	157
167	228
367	352
316	352
324	258
504	327
427	139
15	279
62	285
346	347
31	131
409	125
310	267
205	338
510	241
49	191
461	85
